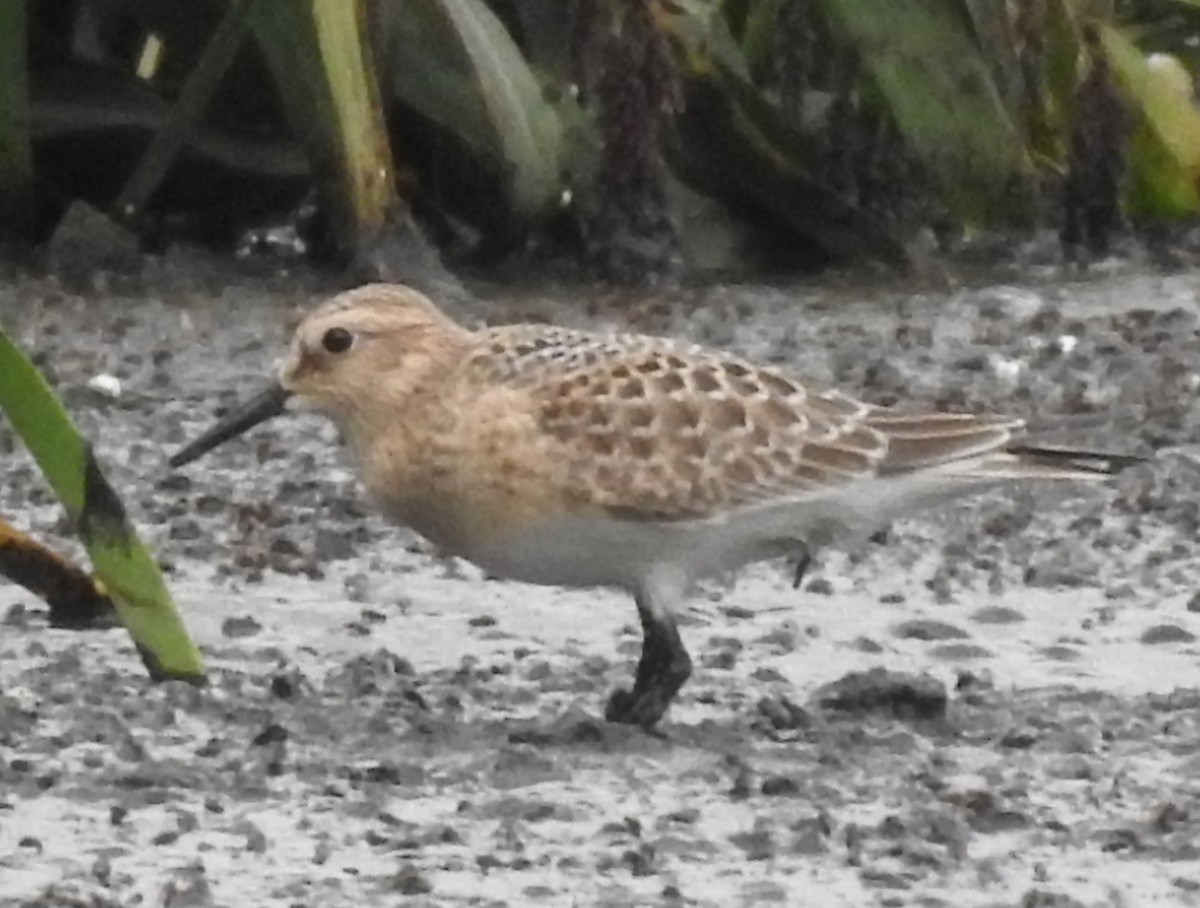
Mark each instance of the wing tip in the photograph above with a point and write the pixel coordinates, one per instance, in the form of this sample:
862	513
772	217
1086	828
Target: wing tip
1084	463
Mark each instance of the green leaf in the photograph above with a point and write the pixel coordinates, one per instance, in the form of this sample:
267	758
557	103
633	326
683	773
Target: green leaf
1164	154
454	63
1157	186
936	84
122	564
1162	95
731	144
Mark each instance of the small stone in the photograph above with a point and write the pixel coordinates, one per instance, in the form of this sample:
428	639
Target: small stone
898	693
538	671
1041	898
960	652
764	674
238	627
782	714
997	614
272	734
1119	839
640	860
929	629
1060	653
758	844
410	881
105	385
973	681
780	786
722	660
783	638
1167	633
1018	739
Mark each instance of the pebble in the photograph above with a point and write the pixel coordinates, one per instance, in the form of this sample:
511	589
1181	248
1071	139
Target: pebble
240	627
928	629
1167	633
408	880
919	696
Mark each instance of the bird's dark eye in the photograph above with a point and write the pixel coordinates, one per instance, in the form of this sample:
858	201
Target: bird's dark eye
337	340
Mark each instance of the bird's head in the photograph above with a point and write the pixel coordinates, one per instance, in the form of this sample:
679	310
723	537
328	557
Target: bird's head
366	348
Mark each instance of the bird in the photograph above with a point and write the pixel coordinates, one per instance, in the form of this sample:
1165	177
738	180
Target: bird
557	456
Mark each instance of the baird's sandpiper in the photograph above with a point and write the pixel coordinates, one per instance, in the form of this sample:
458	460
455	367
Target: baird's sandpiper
561	457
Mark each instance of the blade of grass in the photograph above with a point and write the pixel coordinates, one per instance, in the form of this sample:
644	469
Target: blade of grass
1164	153
186	113
324	73
128	571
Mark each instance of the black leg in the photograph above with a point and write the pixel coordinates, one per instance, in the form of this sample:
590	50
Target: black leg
661	671
803	563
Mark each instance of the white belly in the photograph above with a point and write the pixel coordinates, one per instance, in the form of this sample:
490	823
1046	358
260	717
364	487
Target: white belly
580	552
596	551
576	552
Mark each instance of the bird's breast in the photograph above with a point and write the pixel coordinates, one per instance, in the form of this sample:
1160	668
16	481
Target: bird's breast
467	485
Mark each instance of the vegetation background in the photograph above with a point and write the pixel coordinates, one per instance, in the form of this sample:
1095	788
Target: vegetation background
634	137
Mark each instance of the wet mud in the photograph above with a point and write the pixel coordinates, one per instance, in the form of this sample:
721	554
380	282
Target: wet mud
994	704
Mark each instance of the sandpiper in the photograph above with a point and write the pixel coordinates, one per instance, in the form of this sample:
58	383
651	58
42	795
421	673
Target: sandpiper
557	456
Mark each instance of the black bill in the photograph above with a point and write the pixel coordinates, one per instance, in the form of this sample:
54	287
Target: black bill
260	408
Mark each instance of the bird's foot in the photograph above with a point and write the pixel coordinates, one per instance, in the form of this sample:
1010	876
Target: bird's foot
631	708
652	692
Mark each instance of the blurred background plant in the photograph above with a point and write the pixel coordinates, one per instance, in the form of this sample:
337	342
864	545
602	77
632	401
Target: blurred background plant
632	137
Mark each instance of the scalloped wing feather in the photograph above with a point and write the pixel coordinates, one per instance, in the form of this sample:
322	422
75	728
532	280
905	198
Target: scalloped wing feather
653	429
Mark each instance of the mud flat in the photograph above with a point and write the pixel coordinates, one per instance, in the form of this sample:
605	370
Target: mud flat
386	727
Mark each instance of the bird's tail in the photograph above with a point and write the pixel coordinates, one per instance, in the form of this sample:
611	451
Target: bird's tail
987	447
1043	462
